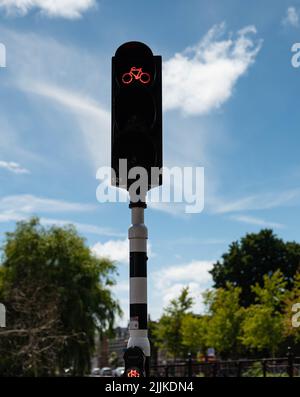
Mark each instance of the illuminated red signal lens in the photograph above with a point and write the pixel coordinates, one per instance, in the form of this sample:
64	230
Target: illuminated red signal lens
136	74
133	373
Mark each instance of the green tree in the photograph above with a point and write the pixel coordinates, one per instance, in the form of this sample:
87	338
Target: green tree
56	270
225	319
262	328
248	260
194	333
168	330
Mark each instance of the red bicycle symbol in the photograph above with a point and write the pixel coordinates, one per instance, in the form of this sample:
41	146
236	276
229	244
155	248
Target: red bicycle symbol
137	74
133	373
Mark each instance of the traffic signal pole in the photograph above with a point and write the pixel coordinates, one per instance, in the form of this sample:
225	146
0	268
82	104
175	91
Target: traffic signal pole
136	136
138	329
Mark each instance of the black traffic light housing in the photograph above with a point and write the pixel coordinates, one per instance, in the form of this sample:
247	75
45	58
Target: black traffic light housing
136	112
134	363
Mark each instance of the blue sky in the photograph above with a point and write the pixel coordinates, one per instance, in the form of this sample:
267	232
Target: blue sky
231	108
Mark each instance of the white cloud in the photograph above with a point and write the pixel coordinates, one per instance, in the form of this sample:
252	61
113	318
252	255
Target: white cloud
22	207
11	216
71	100
169	282
92	118
292	17
116	250
27	204
83	227
257	221
69	86
122	287
256	202
193	271
16	216
202	77
70	9
13	167
36	58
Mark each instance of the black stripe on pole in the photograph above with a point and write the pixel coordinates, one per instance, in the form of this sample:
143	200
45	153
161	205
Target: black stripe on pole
139	310
140	204
138	264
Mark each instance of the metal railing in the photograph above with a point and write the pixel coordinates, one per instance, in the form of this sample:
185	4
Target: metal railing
288	366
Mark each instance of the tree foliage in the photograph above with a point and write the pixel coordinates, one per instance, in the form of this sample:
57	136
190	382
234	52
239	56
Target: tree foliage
255	255
253	308
58	293
225	319
231	329
194	329
263	323
168	331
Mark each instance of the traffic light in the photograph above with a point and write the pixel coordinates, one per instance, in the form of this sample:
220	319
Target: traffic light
136	112
134	363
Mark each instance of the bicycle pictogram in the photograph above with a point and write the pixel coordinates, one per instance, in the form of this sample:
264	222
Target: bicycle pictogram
137	74
133	373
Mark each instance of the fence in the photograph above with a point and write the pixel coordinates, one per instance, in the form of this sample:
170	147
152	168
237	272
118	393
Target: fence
268	367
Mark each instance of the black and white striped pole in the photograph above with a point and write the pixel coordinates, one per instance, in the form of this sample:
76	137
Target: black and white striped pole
138	329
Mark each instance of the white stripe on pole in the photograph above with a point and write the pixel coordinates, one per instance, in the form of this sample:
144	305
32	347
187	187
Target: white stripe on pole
138	290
